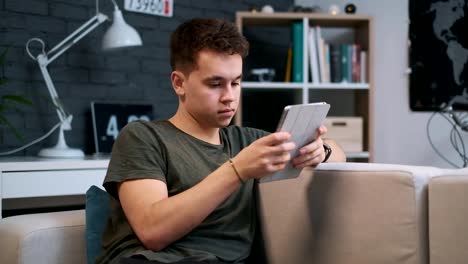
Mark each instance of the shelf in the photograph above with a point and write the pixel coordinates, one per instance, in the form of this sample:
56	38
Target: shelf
357	155
291	85
285	18
270	85
342	86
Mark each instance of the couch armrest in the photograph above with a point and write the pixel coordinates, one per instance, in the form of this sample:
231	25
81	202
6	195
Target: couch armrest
348	213
48	238
448	214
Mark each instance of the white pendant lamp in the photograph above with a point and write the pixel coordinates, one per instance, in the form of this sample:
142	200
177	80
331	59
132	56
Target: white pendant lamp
120	34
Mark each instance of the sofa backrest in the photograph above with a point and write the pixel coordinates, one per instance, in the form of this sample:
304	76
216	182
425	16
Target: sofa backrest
47	238
347	213
448	216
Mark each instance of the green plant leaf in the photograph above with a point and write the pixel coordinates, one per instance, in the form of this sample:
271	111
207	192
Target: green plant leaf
3	120
17	99
15	131
3	55
10	101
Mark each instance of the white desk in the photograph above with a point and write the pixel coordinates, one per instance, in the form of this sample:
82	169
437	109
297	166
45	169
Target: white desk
26	177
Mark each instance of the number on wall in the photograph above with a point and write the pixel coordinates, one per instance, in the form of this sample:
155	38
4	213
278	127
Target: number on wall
151	7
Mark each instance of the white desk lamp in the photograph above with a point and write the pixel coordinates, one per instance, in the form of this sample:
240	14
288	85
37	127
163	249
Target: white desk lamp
119	35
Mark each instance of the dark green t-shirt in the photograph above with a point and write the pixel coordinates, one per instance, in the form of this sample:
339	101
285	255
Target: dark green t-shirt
159	150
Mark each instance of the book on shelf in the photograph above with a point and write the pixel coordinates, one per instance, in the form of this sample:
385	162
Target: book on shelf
313	62
363	68
298	43
344	63
287	72
349	57
355	62
335	63
326	62
320	53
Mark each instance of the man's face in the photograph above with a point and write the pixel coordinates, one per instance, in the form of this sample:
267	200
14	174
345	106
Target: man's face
212	89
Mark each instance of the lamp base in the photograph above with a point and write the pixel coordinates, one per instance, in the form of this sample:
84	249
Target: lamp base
57	152
61	150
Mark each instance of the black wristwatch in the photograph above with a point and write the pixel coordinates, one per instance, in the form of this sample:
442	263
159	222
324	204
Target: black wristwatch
328	151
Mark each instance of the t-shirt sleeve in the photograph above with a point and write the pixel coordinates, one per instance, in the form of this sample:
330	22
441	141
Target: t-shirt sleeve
137	153
255	133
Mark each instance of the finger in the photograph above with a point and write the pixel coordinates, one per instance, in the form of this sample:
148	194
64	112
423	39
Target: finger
275	138
311	147
276	167
310	161
315	156
323	130
284	157
282	148
316	141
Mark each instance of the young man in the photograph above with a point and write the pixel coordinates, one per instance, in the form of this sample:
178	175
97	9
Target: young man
183	188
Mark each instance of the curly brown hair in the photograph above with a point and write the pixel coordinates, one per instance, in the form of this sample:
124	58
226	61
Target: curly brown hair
197	34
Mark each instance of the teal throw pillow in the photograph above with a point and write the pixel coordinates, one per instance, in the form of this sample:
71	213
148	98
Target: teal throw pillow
97	211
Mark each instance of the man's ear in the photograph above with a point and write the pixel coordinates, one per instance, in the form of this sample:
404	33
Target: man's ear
178	79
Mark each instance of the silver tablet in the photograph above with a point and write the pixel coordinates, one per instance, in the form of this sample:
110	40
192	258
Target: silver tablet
302	122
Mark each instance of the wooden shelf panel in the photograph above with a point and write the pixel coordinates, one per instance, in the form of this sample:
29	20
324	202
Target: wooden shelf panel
339	86
285	18
290	85
271	85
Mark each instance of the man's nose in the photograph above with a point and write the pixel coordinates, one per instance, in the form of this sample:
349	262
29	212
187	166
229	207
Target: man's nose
228	93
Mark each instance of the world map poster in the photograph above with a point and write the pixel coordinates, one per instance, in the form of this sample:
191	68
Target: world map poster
438	52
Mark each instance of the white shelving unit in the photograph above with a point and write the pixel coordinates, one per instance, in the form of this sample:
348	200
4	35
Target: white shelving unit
359	95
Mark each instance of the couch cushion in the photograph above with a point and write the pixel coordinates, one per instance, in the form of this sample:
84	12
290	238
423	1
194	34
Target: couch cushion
448	212
347	213
47	238
97	212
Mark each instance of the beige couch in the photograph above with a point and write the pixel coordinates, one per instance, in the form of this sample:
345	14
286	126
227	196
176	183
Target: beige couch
338	213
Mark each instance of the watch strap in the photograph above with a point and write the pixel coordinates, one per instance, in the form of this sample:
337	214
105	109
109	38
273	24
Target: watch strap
328	151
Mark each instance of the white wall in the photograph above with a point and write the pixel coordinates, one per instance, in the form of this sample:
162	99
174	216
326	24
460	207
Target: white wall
400	134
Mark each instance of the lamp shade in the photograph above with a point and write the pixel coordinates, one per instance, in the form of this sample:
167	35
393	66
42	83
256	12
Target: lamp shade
120	34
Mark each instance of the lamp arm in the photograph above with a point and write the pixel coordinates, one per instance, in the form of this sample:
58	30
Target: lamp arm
74	37
62	114
45	58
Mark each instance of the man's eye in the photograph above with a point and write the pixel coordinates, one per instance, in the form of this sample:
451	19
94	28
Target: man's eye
235	84
215	84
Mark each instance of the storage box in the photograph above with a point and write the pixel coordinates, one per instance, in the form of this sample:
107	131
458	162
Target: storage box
346	131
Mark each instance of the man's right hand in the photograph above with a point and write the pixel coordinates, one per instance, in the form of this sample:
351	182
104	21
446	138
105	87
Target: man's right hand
264	156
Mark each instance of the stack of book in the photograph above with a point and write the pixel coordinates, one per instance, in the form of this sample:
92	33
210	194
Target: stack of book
329	62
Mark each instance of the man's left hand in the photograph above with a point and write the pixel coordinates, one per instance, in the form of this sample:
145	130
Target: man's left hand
312	154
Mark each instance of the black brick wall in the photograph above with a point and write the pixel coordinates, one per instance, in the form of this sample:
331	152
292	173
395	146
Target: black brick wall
84	73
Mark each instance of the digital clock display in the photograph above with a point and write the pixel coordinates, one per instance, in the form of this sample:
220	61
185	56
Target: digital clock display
110	118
